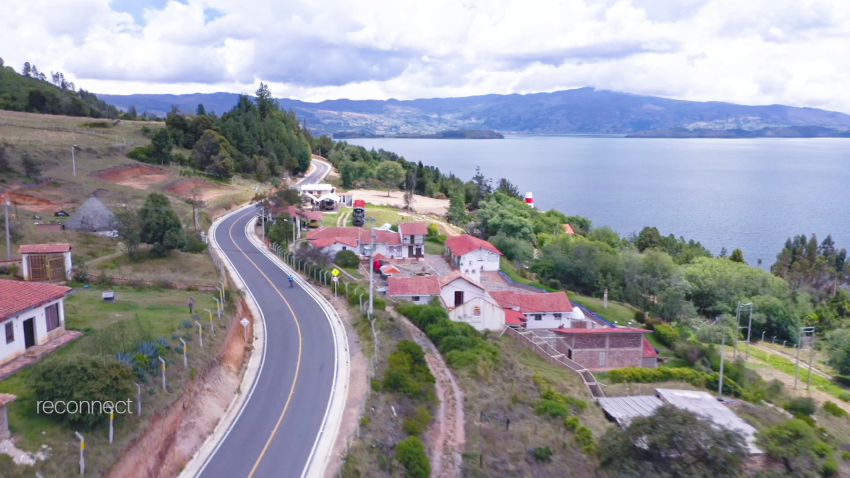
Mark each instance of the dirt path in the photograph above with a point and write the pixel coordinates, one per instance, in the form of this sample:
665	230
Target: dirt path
446	437
769	373
343	217
805	363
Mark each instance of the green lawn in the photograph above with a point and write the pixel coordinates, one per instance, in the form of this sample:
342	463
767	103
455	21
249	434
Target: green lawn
435	248
616	311
509	269
136	315
329	219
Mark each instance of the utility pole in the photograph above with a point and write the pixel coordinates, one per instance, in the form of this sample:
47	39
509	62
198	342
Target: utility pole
8	238
800	340
741	307
722	354
74	159
371	265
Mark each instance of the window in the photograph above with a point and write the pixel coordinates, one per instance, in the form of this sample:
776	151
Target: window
538	316
415	298
51	313
557	316
344	248
476	312
10	332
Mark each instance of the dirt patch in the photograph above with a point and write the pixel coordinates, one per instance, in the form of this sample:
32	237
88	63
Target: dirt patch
421	204
137	176
198	188
172	437
34	203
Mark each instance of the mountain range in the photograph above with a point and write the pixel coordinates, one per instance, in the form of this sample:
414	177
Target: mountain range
577	111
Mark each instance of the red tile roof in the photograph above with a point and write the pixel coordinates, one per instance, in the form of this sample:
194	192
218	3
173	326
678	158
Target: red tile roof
514	317
464	244
458	275
568	229
533	302
335	231
327	241
648	349
17	296
603	330
43	248
389	269
351	236
413	228
310	215
425	285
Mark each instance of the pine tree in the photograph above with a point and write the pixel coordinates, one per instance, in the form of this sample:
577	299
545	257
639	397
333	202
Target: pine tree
27	70
201	111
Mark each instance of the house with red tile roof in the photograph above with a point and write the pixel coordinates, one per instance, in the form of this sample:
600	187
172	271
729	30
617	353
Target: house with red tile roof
471	255
31	314
545	310
469	302
606	348
390	244
46	262
419	289
413	238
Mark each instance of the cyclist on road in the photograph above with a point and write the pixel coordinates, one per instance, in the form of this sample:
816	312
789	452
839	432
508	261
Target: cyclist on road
291	280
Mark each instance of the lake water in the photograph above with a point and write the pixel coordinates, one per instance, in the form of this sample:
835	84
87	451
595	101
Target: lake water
746	193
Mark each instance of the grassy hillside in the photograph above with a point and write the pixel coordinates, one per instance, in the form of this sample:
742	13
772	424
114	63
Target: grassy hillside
22	93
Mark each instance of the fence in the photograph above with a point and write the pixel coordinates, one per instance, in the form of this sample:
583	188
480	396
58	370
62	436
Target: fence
18	123
544	349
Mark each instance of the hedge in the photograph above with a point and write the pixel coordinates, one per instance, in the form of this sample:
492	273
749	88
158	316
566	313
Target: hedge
652	375
666	335
410	452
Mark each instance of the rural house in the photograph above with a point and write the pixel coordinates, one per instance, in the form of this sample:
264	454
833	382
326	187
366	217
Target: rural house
413	238
387	243
46	262
471	255
418	290
467	301
606	348
31	314
546	310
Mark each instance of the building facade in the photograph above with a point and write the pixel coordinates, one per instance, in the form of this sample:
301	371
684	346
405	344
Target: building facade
467	301
46	262
471	255
419	290
603	348
31	314
545	310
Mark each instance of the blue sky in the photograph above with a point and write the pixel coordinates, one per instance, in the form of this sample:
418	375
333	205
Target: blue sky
752	52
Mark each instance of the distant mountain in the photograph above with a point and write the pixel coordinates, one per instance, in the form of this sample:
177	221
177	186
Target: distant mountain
783	132
578	111
453	134
35	94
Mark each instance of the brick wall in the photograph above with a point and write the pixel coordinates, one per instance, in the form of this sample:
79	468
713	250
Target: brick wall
590	341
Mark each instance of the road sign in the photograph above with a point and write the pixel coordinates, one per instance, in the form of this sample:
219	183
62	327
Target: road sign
335	279
244	322
335	272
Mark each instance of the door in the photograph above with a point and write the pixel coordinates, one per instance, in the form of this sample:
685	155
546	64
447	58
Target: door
418	251
56	267
603	359
409	251
458	298
29	333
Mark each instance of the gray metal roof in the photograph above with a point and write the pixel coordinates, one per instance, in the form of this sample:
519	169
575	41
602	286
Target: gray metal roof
624	409
706	405
92	216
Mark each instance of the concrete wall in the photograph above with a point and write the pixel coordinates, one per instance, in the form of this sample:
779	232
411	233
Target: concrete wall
25	265
472	263
422	299
16	348
490	317
604	351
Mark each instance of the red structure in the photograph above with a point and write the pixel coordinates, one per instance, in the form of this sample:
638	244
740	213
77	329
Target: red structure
606	348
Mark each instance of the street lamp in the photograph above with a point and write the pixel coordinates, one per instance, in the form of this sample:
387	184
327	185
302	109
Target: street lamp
74	159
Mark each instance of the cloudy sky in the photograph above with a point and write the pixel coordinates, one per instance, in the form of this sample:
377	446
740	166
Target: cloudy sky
745	51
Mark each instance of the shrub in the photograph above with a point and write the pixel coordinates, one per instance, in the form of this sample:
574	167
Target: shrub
571	423
194	244
661	374
407	372
347	259
806	418
802	406
551	408
141	153
418	423
410	452
82	378
834	410
543	454
666	335
640	317
830	467
845	396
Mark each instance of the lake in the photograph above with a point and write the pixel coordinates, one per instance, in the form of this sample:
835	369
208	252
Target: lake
751	194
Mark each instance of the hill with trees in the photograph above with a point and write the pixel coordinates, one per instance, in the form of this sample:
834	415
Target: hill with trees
36	92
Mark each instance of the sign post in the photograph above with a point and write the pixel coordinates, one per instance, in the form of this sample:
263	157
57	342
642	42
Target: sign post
200	333
336	284
138	398
185	359
82	453
245	323
163	372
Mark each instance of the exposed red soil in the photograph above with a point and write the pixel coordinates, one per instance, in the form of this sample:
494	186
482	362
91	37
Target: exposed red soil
33	203
137	176
198	188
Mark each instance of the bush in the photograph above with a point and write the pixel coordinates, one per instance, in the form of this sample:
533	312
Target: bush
418	423
666	335
830	467
552	408
408	373
410	452
543	454
347	259
141	153
194	244
640	317
82	378
571	423
802	406
661	374
834	410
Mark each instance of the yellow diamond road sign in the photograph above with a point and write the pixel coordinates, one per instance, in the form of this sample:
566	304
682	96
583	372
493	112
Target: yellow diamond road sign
335	272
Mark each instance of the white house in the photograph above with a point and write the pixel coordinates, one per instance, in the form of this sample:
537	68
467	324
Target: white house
413	238
46	262
418	290
472	255
549	310
31	313
467	301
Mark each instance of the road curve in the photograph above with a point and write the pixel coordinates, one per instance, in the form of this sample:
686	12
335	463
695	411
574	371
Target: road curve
276	430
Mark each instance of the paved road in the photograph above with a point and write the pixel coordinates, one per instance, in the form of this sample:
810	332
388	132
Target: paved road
277	429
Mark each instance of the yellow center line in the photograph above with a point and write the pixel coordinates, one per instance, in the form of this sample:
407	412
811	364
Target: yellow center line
298	363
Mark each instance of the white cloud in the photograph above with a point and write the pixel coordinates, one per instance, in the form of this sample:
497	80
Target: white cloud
751	52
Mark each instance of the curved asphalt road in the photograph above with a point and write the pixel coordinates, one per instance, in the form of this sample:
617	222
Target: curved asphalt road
277	428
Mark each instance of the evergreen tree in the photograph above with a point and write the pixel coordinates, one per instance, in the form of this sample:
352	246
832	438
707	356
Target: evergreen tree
737	256
161	145
265	102
32	167
132	112
27	70
160	225
201	111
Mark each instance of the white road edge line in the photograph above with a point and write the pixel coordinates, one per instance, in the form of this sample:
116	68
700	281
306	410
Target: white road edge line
208	449
332	420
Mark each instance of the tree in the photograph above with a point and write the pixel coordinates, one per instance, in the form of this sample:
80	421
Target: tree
160	147
27	69
673	443
508	188
792	441
82	378
457	208
737	256
130	231
265	102
5	164
410	452
214	154
391	173
201	111
479	188
160	225
838	350
32	167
